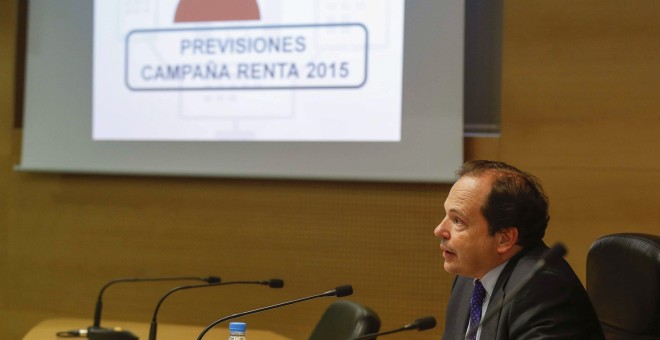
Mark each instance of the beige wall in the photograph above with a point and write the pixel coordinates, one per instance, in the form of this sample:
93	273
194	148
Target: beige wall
578	111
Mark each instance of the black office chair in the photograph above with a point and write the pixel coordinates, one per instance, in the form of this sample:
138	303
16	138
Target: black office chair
623	282
345	319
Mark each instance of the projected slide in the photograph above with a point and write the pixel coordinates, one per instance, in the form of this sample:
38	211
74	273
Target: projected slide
248	70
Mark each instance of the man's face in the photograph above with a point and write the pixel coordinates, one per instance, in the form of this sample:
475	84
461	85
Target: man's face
467	247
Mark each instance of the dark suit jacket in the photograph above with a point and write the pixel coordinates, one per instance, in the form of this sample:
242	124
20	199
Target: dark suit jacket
553	305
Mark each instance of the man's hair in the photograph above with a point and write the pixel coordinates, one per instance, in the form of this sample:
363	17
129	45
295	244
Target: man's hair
516	199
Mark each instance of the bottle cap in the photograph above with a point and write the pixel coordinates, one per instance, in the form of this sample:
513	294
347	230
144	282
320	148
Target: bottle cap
237	327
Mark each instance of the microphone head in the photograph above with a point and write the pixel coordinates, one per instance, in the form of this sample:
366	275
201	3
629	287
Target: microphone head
425	323
211	279
275	283
555	253
342	291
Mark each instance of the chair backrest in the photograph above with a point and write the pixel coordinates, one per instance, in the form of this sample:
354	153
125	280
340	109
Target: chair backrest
345	319
623	282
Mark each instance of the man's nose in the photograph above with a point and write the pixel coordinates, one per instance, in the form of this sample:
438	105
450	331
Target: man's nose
441	231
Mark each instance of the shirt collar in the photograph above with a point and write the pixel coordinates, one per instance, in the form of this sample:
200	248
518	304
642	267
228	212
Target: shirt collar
490	279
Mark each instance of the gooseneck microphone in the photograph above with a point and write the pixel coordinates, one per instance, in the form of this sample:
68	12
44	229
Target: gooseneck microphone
420	324
99	301
340	291
550	256
97	332
272	283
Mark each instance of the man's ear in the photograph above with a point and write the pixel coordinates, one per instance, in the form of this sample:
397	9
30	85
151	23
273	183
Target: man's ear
507	239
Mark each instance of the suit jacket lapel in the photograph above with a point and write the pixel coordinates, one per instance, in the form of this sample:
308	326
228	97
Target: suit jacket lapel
463	312
458	310
490	328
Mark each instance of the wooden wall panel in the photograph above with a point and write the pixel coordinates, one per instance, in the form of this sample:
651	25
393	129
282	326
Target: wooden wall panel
579	110
72	233
580	81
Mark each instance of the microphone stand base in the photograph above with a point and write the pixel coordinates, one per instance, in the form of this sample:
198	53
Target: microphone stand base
96	333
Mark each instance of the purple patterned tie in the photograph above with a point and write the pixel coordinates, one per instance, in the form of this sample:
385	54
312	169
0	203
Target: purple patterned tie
478	296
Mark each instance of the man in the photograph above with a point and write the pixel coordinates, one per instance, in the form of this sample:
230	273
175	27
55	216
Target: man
491	236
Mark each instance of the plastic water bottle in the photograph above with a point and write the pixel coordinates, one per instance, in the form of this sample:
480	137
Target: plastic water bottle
237	331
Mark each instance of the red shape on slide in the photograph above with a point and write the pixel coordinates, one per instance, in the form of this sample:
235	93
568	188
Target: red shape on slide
216	10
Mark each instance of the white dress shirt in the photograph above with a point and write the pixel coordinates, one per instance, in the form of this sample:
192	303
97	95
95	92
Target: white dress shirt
488	281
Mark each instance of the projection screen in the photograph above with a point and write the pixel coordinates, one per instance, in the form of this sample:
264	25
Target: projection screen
310	89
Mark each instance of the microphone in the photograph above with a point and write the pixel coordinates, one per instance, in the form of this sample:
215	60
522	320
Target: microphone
550	256
340	291
97	332
272	283
420	324
99	301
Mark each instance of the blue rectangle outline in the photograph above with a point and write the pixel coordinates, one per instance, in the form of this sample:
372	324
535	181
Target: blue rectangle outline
366	58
